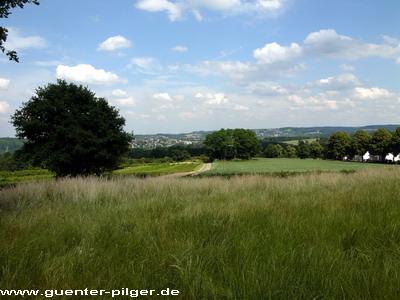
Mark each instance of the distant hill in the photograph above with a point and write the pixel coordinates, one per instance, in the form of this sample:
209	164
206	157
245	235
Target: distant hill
149	141
10	144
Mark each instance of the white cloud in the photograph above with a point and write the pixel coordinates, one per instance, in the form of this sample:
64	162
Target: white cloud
144	116
162	96
147	65
314	103
174	10
180	48
188	115
328	44
216	4
267	88
50	63
275	53
122	98
240	107
4	107
88	74
114	42
371	93
119	93
391	40
128	101
215	99
345	67
340	82
16	41
4	83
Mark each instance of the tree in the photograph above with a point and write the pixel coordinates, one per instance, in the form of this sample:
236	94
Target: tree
290	152
180	155
360	142
395	142
228	144
246	143
338	145
219	144
5	6
303	149
70	131
316	150
380	143
273	151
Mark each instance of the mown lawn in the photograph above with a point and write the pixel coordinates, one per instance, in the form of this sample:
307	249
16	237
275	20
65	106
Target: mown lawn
276	165
311	236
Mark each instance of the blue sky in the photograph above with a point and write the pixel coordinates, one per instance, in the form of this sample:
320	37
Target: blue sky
179	66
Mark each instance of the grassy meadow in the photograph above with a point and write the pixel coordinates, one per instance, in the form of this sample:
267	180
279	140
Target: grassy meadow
148	169
159	169
14	177
288	165
311	236
296	142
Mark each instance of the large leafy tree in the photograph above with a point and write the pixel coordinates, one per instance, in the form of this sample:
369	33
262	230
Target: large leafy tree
395	142
338	145
303	149
360	142
5	7
228	144
273	151
290	152
381	142
316	150
70	131
246	143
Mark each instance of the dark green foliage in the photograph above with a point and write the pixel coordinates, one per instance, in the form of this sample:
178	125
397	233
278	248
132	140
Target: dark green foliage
395	142
360	142
303	149
338	145
10	162
290	152
70	131
246	143
179	155
316	150
228	144
381	142
273	151
5	6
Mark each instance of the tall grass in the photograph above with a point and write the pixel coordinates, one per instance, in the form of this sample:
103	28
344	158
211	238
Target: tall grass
333	236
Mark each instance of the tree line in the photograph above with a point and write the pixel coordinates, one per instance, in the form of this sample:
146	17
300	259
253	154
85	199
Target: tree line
228	144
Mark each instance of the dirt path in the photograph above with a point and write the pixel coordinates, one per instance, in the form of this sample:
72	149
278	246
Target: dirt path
205	167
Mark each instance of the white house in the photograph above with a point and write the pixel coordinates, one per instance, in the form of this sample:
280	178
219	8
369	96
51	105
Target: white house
392	158
366	156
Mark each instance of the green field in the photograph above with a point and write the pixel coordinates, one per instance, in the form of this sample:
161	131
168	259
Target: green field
279	165
312	236
296	142
159	169
8	177
13	177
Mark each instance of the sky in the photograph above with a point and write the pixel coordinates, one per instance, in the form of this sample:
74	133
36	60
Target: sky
181	66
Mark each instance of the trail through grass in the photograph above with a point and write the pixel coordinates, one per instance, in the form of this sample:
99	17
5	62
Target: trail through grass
333	236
